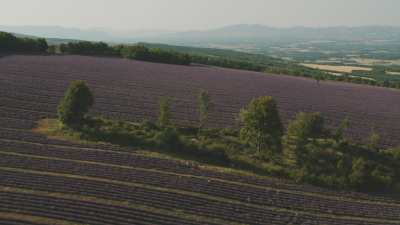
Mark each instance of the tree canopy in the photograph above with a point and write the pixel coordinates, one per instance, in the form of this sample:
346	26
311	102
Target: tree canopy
76	103
87	48
262	127
10	43
140	52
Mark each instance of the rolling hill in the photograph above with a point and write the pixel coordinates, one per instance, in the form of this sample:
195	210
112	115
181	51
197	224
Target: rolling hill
54	181
131	90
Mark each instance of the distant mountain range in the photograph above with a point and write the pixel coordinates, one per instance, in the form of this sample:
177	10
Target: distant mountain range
297	43
259	32
59	32
233	34
98	34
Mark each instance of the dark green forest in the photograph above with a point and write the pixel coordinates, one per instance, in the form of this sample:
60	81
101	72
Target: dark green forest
10	44
137	52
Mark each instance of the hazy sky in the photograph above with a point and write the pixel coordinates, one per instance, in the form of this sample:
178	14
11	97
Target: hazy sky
197	14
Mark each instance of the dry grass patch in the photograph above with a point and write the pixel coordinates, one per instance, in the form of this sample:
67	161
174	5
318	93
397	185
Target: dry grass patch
340	69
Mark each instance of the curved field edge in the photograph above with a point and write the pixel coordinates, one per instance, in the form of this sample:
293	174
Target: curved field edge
117	204
23	218
308	211
49	128
177	213
218	176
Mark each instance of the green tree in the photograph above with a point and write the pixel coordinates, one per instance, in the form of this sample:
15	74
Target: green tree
306	126
169	139
76	103
262	127
52	49
318	77
42	45
10	43
205	106
138	52
366	175
303	129
88	48
359	174
164	113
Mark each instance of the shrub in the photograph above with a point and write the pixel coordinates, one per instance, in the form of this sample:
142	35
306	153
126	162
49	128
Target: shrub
373	140
395	153
307	125
304	127
216	152
217	147
149	125
262	127
138	52
361	169
87	48
169	139
382	178
369	176
52	49
164	113
75	104
339	133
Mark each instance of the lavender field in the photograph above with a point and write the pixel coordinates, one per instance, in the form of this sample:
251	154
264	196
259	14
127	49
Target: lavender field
131	90
48	181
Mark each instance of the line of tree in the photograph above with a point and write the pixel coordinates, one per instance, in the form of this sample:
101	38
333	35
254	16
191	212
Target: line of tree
140	52
87	48
227	63
308	150
9	43
143	53
137	52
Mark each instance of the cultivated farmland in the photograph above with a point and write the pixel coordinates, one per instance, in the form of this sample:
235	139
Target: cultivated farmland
131	90
47	181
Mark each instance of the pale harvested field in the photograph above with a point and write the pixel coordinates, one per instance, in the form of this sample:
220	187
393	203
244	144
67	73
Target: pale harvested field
372	62
393	73
340	69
